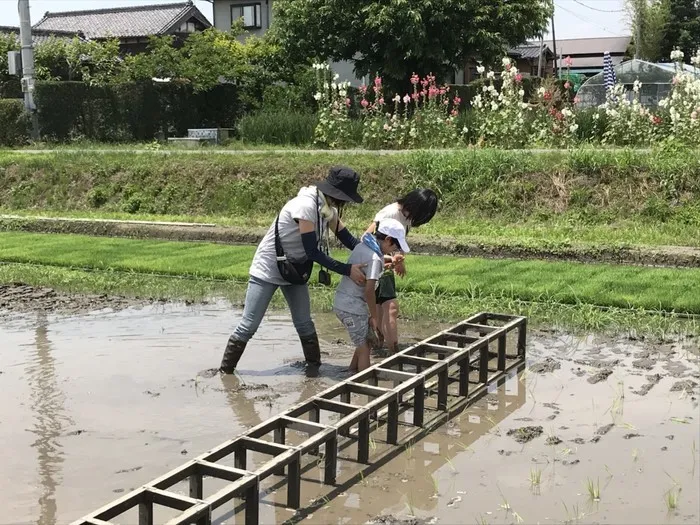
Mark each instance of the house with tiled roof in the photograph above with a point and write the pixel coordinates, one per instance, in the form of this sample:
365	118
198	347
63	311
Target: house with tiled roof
587	53
132	26
526	58
39	36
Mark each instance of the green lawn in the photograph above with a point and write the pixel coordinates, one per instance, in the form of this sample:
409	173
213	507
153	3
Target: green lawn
663	289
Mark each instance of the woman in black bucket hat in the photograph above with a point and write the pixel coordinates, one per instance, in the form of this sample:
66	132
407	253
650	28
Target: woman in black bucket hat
285	257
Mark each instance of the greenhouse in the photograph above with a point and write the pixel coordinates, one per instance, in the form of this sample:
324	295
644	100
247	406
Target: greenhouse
656	82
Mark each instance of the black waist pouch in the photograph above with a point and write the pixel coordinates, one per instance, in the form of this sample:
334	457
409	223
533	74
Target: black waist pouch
294	272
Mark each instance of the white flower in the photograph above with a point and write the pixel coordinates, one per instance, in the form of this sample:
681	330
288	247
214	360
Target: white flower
397	98
336	76
541	91
342	93
465	130
524	105
573	128
663	102
494	106
406	99
480	69
521	93
318	96
637	85
566	112
485	89
490	74
505	61
677	55
334	86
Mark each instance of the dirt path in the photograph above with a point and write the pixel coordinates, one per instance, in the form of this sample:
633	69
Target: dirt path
669	256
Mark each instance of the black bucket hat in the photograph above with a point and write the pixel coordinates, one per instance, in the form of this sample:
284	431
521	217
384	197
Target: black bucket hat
341	184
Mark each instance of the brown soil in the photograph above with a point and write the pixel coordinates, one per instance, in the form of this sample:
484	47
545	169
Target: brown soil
672	256
20	297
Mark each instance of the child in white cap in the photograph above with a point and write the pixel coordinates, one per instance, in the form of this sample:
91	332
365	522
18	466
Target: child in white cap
356	305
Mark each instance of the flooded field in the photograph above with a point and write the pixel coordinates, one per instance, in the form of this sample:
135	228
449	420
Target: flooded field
95	404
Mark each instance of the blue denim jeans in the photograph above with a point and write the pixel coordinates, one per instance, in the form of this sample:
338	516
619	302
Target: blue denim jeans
258	298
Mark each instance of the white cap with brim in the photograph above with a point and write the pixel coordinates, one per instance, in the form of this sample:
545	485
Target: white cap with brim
394	229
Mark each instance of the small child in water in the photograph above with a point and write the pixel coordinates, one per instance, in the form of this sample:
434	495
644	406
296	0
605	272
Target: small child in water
356	305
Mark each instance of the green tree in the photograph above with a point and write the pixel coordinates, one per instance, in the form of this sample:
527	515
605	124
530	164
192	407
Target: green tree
93	62
683	28
648	21
399	37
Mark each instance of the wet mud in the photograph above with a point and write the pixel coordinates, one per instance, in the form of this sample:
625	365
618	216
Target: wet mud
22	298
98	403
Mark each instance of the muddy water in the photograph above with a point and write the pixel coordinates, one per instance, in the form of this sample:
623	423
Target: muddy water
95	405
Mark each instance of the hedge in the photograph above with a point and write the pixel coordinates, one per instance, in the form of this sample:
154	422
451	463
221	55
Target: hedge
14	123
131	112
592	184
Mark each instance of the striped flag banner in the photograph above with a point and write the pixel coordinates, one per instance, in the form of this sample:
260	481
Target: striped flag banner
608	72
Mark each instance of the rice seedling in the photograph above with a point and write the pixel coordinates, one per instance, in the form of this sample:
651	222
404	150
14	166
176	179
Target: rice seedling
574	516
372	444
671	498
635	455
505	505
449	462
535	477
436	486
593	489
480	520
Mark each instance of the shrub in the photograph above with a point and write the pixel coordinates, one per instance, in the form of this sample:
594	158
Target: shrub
131	111
278	127
15	124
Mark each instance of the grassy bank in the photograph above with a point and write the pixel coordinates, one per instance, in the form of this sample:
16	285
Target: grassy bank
586	196
656	289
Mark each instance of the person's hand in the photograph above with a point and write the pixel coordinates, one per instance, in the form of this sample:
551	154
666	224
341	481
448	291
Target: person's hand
357	275
399	266
373	325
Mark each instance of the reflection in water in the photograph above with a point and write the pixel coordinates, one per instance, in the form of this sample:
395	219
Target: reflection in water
423	459
49	420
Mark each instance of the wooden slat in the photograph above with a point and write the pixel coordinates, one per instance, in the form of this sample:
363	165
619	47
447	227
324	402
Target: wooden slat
262	446
171	499
339	407
301	425
224	472
120	505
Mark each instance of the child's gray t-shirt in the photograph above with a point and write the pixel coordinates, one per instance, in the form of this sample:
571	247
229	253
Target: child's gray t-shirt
350	297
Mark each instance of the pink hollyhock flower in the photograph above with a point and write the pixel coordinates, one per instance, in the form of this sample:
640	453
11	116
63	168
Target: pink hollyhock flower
363	89
568	62
518	78
457	101
415	79
348	102
567	85
576	100
381	101
445	101
547	95
406	99
364	103
443	91
377	81
414	96
454	113
508	66
657	120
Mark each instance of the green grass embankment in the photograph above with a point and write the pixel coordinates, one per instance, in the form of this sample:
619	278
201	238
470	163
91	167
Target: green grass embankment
488	196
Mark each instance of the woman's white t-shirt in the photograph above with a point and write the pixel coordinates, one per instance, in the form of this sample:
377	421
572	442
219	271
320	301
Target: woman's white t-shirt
393	211
305	206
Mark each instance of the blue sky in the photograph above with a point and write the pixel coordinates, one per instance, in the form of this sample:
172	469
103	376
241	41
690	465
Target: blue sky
573	18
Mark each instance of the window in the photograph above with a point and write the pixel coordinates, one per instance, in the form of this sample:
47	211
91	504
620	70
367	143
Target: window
187	27
249	13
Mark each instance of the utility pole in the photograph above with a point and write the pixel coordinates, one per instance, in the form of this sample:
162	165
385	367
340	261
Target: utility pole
25	37
539	59
638	28
554	47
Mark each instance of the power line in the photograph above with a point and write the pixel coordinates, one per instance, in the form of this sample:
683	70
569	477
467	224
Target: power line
599	10
586	20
